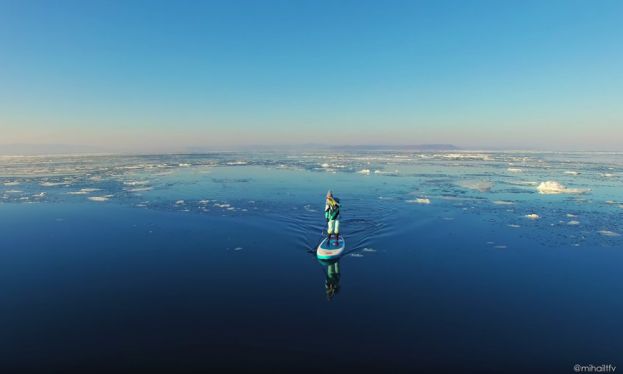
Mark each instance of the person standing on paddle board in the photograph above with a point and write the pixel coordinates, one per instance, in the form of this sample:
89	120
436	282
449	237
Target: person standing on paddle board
332	213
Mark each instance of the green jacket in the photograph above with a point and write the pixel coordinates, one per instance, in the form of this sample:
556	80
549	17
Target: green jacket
332	212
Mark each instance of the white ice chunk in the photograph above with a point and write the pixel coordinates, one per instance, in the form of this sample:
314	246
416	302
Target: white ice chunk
553	188
608	233
419	201
100	198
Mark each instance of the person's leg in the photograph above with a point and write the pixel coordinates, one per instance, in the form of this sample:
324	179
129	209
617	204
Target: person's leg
330	231
336	230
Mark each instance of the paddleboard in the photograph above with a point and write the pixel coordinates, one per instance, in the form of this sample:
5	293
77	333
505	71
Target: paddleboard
333	250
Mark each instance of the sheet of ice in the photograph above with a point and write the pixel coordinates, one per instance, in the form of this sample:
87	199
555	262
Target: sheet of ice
136	183
554	188
139	189
393	173
100	198
466	156
419	200
609	233
503	202
482	186
83	191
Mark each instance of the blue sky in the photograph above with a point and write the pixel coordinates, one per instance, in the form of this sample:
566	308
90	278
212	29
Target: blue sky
138	75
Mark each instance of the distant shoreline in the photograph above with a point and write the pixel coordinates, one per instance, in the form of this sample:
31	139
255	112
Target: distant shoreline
325	150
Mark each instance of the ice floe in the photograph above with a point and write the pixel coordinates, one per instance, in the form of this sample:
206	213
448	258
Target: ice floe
83	191
465	156
419	201
609	233
554	188
135	183
502	202
482	186
100	198
140	189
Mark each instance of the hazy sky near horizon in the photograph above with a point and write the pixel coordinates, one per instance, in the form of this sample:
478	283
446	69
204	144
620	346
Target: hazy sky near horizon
149	75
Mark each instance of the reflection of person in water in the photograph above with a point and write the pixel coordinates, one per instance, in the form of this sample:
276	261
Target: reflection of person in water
332	284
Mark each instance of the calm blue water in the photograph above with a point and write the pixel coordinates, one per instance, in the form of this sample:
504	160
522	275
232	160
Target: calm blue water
188	263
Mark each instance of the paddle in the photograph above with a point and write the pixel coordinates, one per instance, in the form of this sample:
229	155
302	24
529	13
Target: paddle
323	233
